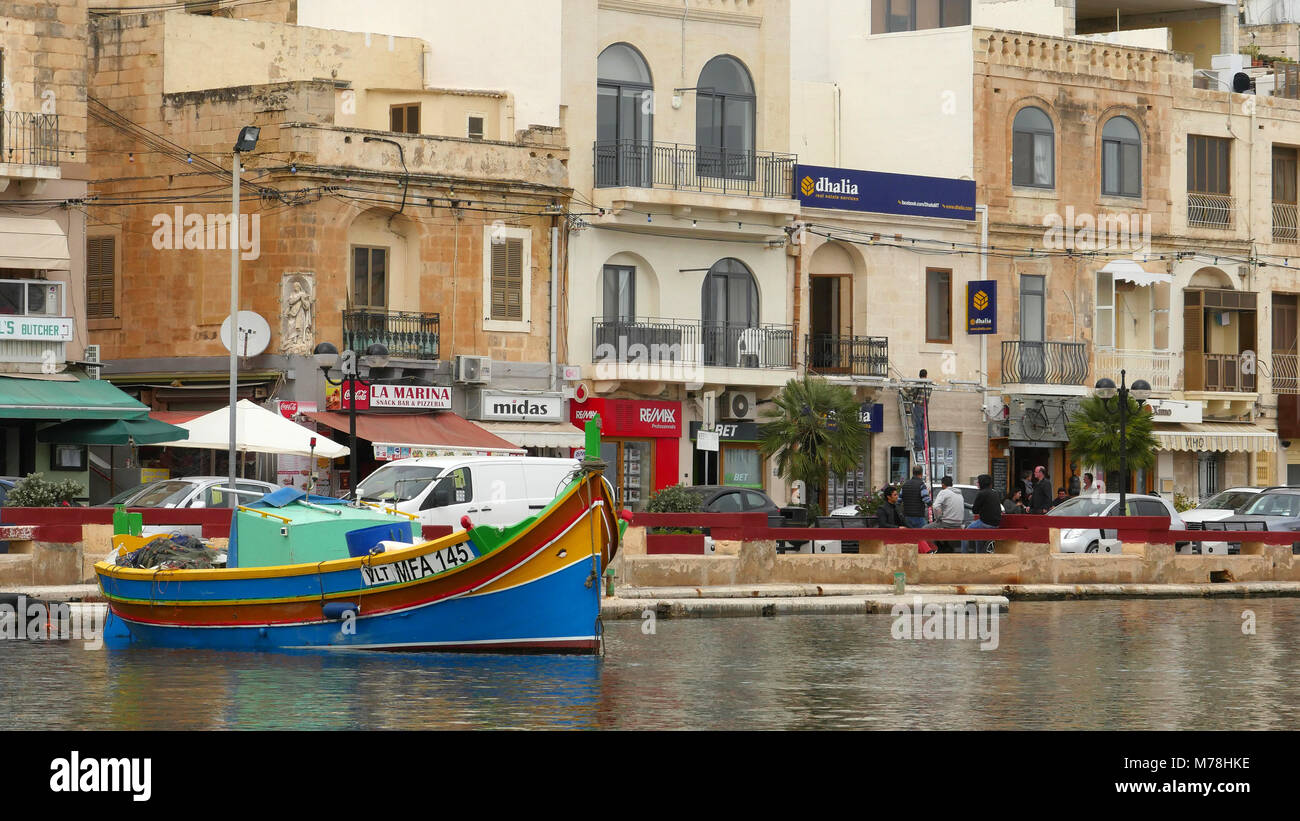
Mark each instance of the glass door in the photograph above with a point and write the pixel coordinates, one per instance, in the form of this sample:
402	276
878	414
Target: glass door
629	463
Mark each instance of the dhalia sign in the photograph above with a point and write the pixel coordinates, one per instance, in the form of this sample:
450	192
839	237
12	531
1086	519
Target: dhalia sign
423	397
882	193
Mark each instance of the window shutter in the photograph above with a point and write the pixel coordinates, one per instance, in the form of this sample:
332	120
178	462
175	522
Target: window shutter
1193	343
507	285
100	258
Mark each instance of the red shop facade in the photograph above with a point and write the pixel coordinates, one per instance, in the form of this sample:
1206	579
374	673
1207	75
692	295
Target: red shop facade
640	440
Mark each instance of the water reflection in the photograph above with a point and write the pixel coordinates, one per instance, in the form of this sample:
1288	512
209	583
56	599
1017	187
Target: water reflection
1118	664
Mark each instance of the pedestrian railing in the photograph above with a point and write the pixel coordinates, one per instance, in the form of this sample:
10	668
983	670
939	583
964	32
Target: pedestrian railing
644	164
29	139
1044	363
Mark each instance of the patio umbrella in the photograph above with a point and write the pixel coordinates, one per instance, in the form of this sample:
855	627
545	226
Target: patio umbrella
258	430
141	430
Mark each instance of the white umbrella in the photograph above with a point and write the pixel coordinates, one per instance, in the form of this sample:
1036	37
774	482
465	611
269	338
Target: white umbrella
257	430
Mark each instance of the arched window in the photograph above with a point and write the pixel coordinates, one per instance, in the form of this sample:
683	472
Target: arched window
1033	151
724	120
731	334
624	117
1121	158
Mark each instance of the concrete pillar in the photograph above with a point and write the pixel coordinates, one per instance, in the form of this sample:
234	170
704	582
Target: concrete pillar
1228	29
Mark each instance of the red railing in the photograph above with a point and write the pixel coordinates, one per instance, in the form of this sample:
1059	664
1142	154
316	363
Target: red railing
63	524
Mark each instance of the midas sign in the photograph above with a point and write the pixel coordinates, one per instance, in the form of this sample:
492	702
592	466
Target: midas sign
410	396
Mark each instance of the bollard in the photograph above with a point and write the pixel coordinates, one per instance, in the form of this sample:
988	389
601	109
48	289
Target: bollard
900	582
609	581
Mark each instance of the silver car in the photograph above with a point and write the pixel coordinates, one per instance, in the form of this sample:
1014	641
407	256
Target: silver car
1077	540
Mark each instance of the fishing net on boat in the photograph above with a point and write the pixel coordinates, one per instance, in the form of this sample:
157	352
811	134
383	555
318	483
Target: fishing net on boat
178	551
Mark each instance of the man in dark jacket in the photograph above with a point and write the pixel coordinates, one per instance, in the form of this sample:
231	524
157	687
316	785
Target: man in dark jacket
888	515
915	497
986	510
1041	501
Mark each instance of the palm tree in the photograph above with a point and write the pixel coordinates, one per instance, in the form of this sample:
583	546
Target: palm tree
812	429
1094	436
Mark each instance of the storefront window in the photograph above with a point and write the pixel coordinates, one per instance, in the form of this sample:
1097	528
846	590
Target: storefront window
741	467
943	455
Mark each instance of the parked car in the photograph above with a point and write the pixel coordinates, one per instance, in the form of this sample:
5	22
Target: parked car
189	491
1276	508
7	484
1219	507
727	499
1088	540
491	490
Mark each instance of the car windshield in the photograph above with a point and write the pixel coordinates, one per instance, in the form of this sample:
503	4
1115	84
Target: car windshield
126	494
1273	504
397	483
1082	506
162	494
1227	500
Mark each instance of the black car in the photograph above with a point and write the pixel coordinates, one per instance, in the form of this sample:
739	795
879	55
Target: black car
1276	509
726	499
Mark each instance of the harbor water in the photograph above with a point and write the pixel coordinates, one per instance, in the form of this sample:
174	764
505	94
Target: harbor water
1131	664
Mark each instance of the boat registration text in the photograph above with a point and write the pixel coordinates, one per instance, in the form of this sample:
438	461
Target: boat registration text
418	567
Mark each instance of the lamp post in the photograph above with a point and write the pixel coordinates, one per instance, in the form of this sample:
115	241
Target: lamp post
1140	391
246	141
327	356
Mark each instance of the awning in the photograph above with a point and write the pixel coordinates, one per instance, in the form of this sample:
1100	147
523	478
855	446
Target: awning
175	417
1127	270
81	398
537	434
33	242
438	433
257	430
140	431
1216	436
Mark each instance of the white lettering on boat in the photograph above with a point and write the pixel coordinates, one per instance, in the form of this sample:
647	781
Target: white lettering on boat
416	567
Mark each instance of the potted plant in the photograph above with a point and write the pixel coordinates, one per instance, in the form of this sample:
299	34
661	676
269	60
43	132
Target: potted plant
669	540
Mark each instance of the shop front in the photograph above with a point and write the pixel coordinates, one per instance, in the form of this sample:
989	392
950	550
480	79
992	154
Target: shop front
536	421
737	461
639	444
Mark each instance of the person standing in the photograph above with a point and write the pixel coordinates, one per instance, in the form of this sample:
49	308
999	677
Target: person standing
915	497
1014	503
1026	486
1040	500
1088	489
888	515
986	509
949	510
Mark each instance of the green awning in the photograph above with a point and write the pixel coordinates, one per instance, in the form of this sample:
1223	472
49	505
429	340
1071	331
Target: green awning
141	431
80	399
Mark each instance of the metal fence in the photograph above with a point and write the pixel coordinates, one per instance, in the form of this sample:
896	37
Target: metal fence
851	355
692	342
406	334
1210	210
642	164
1284	222
29	139
1044	363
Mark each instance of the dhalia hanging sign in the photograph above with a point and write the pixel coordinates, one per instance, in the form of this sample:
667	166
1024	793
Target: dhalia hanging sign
410	396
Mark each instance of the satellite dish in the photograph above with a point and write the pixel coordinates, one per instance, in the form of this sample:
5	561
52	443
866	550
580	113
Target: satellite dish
253	336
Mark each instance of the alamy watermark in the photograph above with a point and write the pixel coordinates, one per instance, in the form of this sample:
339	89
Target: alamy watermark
1085	231
206	232
956	621
34	620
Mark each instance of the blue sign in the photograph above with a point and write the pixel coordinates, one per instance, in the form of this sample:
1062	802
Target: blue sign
873	416
982	306
820	187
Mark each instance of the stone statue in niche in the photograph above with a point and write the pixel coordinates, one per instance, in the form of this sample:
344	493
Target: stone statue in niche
297	314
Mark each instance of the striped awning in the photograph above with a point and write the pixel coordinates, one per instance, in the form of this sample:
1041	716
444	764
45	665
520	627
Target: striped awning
1216	436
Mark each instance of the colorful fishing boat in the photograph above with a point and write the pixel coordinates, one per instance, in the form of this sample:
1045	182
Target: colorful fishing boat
531	587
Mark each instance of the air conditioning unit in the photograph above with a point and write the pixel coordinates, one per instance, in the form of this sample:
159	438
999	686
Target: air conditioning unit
92	355
739	405
473	370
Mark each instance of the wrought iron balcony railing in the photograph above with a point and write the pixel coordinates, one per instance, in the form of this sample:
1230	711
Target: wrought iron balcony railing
1284	222
1156	367
642	164
1210	210
657	341
29	139
850	355
1285	373
406	334
1044	363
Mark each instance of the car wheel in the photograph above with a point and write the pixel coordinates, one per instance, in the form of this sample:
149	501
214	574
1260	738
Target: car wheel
1092	547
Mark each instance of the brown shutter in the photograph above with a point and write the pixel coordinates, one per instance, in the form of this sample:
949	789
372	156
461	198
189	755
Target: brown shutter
100	258
507	287
1193	342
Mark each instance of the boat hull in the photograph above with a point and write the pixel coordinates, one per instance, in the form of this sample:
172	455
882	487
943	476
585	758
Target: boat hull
536	590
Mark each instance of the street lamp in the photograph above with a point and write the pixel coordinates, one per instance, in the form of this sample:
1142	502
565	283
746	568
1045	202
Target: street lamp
1106	391
246	141
327	356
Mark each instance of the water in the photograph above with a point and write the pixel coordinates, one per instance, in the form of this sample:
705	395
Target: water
1180	664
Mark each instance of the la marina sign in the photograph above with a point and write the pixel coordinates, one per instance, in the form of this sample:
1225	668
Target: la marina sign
436	397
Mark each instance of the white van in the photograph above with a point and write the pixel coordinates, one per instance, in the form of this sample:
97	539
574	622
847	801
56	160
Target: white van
491	490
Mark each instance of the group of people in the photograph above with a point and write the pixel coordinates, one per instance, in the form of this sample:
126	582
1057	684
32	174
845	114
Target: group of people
906	505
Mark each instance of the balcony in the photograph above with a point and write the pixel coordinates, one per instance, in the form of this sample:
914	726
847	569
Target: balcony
1156	367
1211	210
847	355
406	334
1284	222
641	164
1286	373
655	341
1218	373
29	139
1044	363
